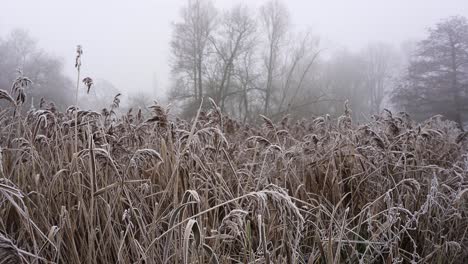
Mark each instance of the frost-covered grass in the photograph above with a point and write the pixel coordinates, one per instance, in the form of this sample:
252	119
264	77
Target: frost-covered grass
162	190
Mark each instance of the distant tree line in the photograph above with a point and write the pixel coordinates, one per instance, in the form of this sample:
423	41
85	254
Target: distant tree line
254	63
20	55
50	86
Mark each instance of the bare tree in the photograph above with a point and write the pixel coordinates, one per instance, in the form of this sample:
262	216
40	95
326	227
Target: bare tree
275	21
190	45
379	66
304	54
246	75
235	37
19	51
343	80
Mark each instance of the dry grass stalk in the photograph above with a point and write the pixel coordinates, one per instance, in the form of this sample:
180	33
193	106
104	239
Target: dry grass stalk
151	190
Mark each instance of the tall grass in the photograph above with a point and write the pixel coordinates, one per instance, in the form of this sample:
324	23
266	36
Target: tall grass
158	189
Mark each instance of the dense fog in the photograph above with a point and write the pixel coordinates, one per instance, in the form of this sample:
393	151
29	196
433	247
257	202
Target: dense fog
234	131
270	57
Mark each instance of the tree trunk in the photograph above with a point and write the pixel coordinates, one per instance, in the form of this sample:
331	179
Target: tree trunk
200	85
455	86
269	82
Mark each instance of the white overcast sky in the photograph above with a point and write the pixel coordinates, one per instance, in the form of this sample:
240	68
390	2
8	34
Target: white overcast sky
127	41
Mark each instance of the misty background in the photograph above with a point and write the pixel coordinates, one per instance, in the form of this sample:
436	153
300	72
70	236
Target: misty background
127	43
